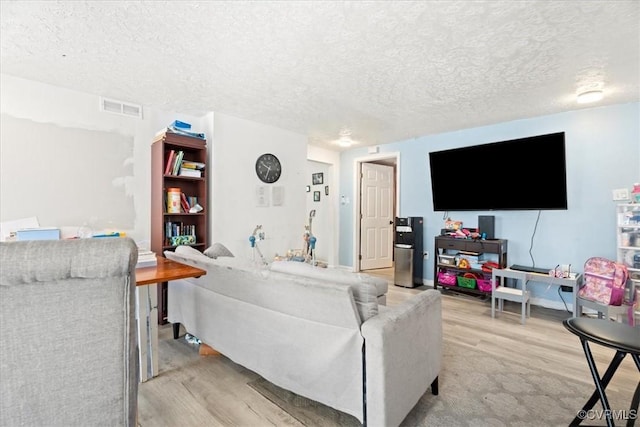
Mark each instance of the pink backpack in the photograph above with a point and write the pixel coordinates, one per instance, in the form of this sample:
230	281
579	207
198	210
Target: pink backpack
604	281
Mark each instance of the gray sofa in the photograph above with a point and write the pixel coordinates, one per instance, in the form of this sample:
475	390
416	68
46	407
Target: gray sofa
68	352
317	332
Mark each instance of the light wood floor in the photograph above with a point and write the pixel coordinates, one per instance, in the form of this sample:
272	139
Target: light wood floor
194	390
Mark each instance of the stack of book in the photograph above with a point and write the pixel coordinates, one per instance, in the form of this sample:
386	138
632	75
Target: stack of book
190	168
180	128
176	165
146	258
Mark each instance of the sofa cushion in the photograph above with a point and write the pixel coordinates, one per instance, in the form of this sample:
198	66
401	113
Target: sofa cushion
194	257
366	300
217	250
238	263
336	275
188	251
365	288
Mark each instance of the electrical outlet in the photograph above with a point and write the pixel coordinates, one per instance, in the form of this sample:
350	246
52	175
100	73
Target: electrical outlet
426	255
621	194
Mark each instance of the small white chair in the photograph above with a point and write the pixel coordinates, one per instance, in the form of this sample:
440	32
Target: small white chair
502	293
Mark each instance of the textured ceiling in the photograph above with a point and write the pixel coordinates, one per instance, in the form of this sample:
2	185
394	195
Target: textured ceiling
385	70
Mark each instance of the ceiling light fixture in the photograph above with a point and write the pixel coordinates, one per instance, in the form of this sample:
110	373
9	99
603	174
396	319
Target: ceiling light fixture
345	141
590	96
345	138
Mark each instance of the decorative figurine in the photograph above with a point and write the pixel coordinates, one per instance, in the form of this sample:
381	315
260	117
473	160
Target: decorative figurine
257	235
635	192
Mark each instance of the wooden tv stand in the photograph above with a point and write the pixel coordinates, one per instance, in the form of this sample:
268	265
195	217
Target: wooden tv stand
445	243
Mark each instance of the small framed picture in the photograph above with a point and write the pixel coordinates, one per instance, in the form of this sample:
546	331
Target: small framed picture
326	190
316	196
317	178
308	188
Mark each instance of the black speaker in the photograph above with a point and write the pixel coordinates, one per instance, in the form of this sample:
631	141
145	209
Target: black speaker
487	224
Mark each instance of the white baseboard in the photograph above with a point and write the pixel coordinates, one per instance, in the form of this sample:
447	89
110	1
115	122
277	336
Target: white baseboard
555	305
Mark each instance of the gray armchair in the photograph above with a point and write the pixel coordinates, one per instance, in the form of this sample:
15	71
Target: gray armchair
68	346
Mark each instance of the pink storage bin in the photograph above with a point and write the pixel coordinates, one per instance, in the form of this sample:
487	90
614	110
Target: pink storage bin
484	285
446	279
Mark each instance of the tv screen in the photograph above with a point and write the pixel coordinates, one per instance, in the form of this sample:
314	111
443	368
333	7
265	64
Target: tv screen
519	174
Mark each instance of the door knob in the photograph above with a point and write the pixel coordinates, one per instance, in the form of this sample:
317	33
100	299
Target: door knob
390	222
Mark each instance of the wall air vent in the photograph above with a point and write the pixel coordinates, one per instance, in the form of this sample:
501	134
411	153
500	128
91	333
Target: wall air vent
120	107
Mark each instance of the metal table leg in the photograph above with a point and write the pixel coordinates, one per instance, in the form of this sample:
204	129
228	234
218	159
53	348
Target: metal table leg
601	384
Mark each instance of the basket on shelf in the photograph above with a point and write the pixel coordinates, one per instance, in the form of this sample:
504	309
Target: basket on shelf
447	259
484	285
467	282
446	278
187	239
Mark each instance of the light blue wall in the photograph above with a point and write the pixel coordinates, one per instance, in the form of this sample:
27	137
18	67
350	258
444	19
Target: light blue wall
603	153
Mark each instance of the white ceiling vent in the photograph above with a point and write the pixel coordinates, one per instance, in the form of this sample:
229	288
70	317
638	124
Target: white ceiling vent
120	107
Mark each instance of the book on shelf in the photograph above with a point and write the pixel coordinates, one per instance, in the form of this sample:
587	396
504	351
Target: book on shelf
185	132
194	206
177	233
181	125
184	202
169	166
177	162
189	164
190	172
174	138
174	130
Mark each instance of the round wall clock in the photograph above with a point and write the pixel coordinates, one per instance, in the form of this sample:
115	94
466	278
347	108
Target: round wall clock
268	168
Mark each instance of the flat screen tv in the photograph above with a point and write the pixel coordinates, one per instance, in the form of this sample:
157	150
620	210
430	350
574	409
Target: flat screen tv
519	174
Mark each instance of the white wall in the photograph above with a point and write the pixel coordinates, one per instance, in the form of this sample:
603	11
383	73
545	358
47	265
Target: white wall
233	146
328	247
321	224
30	107
237	143
36	164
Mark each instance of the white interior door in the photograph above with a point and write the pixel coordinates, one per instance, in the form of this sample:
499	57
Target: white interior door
376	216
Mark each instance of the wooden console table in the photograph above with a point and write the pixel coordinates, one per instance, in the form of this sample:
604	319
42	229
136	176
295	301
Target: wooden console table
147	279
